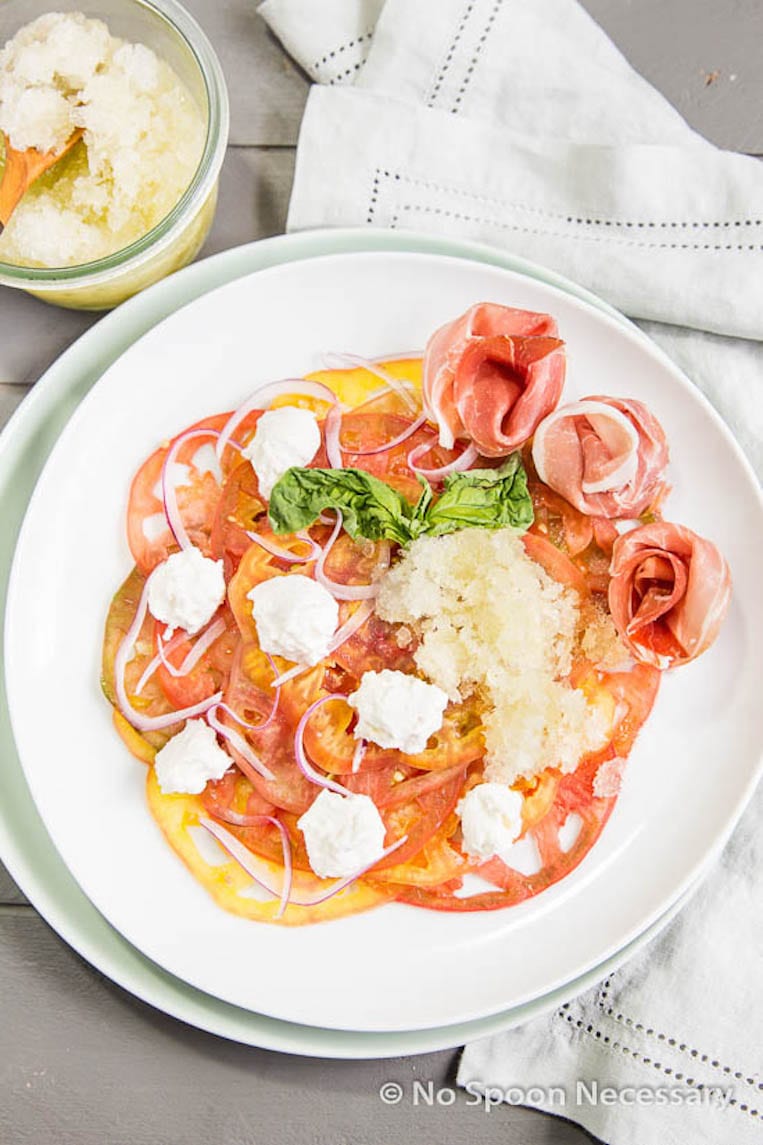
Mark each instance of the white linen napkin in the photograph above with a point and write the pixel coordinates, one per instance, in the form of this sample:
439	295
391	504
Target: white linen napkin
518	123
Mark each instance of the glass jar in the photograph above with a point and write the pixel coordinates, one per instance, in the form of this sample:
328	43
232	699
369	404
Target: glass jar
166	28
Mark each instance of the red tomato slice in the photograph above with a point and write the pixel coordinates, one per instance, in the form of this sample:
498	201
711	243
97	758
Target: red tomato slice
233	797
557	519
370	430
249	695
556	563
377	645
152	701
207	676
587	541
274	745
636	691
197	491
352	563
331	744
149	538
239	508
438	865
419	818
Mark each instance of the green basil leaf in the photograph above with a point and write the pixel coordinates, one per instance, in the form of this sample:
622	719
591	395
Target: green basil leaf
370	508
480	498
483	498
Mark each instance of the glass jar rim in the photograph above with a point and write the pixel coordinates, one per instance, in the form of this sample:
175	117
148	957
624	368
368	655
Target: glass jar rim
201	184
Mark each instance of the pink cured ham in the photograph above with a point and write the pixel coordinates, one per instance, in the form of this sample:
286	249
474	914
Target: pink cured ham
606	456
492	375
669	593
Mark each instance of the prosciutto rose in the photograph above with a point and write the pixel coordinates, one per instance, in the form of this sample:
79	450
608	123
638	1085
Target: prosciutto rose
606	456
669	593
492	375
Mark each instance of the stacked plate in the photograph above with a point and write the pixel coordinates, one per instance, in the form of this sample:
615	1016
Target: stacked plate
74	830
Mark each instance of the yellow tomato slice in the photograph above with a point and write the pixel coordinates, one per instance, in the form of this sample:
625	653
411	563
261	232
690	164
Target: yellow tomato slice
230	885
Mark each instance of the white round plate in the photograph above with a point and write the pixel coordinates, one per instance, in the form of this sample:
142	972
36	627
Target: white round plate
396	968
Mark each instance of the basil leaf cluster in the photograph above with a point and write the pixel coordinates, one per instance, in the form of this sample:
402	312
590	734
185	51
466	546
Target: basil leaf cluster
479	498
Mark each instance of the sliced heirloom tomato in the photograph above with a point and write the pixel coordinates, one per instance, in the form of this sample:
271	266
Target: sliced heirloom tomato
198	478
416	795
561	522
151	701
250	696
634	693
331	744
556	563
234	802
439	864
367	431
239	509
233	888
417	814
512	887
210	672
363	390
258	565
197	490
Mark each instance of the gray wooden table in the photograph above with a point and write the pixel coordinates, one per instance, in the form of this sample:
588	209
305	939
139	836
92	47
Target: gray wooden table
81	1061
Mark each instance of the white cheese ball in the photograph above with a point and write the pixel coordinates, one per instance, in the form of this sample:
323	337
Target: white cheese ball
343	834
284	437
186	590
190	759
491	819
295	616
396	710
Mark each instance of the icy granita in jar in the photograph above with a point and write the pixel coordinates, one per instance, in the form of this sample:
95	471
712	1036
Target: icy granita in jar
142	139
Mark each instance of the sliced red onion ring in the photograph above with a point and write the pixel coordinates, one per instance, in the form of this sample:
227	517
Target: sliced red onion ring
464	461
238	742
189	663
169	498
346	591
207	638
139	721
267	393
300	754
264	877
399	387
291	674
243	723
361	748
351	626
178	638
348	629
249	862
401	437
286	554
332	431
271	714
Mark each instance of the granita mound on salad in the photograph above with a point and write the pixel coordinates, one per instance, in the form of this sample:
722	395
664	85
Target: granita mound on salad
393	629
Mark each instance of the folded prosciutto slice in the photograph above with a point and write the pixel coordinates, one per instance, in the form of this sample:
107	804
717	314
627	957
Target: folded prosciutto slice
492	375
606	456
669	593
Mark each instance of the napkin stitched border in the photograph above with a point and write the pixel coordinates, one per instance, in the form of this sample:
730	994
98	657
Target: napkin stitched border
384	180
579	1019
